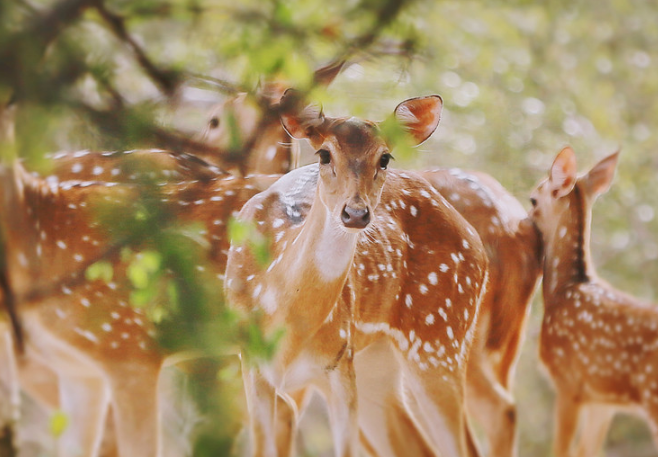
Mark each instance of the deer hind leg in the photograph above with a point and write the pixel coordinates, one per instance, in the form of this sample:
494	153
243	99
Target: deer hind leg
136	410
594	428
84	400
491	406
567	418
439	398
388	427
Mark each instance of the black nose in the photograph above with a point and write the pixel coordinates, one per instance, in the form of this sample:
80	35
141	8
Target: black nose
355	218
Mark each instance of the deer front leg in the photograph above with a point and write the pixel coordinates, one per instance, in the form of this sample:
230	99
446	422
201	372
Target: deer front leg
9	385
340	394
84	400
261	405
136	411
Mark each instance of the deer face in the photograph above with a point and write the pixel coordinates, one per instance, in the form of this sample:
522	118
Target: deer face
354	157
552	197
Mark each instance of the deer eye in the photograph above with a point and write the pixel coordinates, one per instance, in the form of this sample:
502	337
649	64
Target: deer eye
534	202
214	122
325	156
384	160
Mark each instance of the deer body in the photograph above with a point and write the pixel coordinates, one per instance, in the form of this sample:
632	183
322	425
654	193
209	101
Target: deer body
599	344
338	290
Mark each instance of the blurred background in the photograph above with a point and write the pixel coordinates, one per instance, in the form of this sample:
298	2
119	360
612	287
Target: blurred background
519	79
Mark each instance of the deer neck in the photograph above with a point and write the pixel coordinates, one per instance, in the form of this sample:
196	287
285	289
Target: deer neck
567	261
307	277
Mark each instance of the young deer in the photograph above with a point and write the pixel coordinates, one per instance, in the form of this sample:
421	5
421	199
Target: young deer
599	344
364	258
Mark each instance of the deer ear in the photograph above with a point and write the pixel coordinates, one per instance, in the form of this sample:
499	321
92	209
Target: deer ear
420	116
562	176
599	178
298	120
325	75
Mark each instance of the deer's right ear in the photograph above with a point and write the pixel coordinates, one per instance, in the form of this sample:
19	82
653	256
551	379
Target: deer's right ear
562	176
420	116
299	120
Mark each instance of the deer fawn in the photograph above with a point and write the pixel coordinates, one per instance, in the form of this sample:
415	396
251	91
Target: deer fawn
377	258
600	345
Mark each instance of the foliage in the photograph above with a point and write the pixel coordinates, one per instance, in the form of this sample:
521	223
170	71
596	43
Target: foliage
519	81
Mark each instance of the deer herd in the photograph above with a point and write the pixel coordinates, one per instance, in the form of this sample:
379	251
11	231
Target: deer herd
403	295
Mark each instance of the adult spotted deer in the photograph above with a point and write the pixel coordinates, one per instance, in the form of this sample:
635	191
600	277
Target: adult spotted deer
365	260
514	250
600	345
102	350
246	127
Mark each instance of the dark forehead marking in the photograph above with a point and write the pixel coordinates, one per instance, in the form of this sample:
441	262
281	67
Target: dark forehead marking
354	132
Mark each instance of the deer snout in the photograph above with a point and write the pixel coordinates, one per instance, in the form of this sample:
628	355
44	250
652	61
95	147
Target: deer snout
355	217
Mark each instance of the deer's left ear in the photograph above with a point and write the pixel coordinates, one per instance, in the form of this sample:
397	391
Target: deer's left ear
562	176
599	178
420	116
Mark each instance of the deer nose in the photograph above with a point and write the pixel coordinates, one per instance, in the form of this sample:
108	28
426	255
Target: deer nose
355	218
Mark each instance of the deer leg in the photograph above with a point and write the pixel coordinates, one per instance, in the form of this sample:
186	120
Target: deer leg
136	411
492	407
9	385
84	400
440	402
567	417
342	405
595	424
261	405
287	420
388	427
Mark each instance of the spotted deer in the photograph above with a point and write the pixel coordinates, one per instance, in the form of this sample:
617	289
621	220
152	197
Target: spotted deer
600	345
246	127
102	350
379	261
513	247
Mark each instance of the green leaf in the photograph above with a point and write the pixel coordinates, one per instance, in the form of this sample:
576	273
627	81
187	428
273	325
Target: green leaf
59	422
100	270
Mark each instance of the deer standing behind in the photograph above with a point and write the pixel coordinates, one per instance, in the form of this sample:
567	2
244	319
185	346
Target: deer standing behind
600	345
101	349
513	247
363	269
